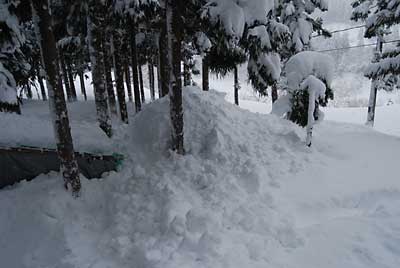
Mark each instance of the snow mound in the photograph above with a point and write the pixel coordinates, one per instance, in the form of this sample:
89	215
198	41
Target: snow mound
243	196
210	208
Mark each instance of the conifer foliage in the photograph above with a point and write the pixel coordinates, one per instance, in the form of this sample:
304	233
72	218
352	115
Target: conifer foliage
12	62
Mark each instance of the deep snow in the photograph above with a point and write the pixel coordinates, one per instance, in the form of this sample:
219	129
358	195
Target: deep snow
247	194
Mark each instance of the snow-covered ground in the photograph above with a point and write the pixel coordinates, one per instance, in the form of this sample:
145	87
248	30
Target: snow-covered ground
247	194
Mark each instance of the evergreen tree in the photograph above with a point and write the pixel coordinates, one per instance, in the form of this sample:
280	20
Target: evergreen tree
69	165
96	26
379	16
13	67
174	26
296	16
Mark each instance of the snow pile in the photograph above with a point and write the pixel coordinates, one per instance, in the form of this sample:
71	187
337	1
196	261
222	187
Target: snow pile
211	208
247	194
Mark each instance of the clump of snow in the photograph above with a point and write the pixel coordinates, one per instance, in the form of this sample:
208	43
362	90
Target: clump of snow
307	63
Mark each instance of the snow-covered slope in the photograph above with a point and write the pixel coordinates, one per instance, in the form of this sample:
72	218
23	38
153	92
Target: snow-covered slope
247	194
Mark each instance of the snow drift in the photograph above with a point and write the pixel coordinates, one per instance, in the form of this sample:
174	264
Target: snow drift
227	203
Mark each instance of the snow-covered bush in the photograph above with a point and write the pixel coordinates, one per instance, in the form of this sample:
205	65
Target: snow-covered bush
308	83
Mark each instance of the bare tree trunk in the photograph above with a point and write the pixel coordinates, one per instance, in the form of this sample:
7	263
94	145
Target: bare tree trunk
151	80
83	87
274	92
65	148
205	74
65	78
141	84
71	80
174	33
109	83
135	75
128	80
41	84
237	85
95	29
119	76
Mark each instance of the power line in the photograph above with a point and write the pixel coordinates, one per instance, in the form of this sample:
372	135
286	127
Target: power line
343	30
359	46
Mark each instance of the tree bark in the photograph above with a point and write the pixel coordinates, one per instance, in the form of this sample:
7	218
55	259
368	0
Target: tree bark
143	98
83	87
65	78
71	80
151	80
119	76
65	148
95	29
205	74
237	85
135	74
109	83
174	33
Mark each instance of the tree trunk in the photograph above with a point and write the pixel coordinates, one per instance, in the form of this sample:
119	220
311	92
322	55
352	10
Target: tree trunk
374	85
135	74
71	80
29	93
41	84
174	33
186	74
65	148
274	92
163	48
65	78
310	118
159	75
83	87
143	98
128	79
95	29
206	71
151	80
119	76
109	83
237	85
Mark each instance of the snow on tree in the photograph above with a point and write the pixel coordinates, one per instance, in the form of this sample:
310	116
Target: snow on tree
298	16
58	108
12	62
379	16
250	24
309	76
